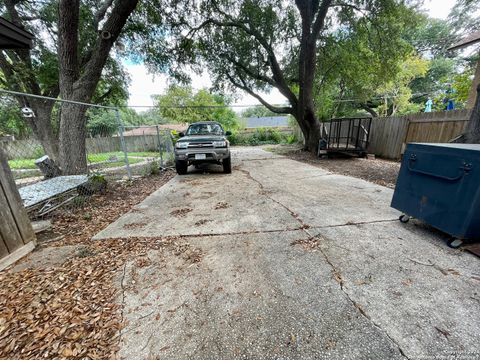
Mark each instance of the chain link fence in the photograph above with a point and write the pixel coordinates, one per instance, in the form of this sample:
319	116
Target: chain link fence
42	151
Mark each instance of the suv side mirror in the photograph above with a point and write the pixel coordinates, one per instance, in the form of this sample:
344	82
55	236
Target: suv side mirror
228	133
181	134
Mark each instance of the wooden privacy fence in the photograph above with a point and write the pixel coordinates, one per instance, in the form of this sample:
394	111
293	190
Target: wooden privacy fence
389	135
16	234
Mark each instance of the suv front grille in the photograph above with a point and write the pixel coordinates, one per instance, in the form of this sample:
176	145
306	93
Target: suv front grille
200	145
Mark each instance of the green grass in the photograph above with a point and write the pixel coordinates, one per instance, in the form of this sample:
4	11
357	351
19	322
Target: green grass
144	154
22	164
113	164
101	157
91	158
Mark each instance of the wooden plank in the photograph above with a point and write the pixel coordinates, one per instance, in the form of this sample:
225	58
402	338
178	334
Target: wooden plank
14	202
8	227
16	255
3	248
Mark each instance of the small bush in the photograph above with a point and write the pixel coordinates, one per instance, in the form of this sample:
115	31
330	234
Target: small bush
153	168
38	152
262	136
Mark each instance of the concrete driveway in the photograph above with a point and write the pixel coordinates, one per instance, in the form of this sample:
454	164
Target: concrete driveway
297	263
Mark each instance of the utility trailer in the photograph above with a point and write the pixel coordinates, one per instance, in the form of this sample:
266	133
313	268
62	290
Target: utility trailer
346	135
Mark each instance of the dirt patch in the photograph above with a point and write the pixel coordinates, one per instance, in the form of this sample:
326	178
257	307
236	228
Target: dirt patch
221	205
202	222
133	226
193	182
70	310
311	243
378	171
77	226
181	212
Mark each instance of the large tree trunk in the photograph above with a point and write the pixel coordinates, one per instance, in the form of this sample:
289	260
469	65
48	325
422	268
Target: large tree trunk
311	27
311	129
80	84
72	155
472	132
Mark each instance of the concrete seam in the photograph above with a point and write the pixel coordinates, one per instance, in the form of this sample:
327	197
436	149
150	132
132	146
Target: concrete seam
354	223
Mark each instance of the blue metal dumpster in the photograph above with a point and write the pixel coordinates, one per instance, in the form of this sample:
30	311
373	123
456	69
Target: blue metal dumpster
440	185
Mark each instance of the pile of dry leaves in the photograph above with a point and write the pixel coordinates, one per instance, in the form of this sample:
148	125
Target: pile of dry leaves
71	311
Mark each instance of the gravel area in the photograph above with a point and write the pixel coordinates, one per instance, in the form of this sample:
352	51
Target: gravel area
378	171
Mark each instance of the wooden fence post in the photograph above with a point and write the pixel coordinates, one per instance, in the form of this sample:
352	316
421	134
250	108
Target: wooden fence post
16	234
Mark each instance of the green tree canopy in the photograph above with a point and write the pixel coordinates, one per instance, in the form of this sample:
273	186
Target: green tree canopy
182	104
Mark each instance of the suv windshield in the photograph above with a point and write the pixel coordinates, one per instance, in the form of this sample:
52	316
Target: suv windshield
205	129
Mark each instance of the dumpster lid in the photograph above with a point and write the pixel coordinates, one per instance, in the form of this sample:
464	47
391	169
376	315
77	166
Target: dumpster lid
475	147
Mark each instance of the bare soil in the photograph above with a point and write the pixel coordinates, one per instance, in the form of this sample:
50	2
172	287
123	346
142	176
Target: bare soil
378	171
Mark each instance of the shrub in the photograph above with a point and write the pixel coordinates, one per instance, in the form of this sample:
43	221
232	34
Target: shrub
261	136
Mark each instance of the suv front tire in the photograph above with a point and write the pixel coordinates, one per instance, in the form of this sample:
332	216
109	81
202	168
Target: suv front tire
181	166
227	165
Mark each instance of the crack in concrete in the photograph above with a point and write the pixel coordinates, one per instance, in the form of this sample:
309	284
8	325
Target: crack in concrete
351	223
264	159
303	225
339	279
336	273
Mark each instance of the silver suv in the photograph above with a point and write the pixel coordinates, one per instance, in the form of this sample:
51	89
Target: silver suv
203	142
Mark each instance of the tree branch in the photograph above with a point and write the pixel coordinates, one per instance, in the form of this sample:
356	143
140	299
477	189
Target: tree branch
68	23
113	26
272	108
249	71
278	76
100	14
320	20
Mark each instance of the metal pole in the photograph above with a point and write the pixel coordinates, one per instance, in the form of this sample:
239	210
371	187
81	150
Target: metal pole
358	132
122	142
159	146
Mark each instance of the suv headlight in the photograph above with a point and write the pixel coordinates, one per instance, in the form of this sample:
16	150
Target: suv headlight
181	145
220	143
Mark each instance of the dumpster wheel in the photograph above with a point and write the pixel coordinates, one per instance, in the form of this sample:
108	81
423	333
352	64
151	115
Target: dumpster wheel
454	243
404	218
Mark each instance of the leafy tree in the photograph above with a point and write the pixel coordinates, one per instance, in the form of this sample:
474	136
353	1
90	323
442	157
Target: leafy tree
255	45
69	60
11	122
396	93
149	117
181	104
353	65
431	37
101	123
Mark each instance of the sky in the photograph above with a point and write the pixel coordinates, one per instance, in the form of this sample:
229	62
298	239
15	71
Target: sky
143	85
